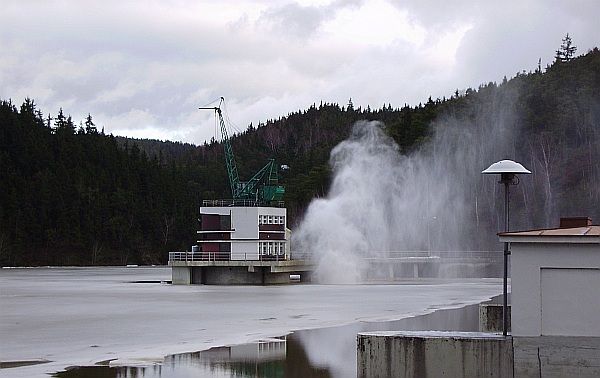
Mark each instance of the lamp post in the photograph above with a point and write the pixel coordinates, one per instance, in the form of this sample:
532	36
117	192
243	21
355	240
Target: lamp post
507	169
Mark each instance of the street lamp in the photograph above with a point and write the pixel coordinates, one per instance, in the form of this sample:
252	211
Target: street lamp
507	169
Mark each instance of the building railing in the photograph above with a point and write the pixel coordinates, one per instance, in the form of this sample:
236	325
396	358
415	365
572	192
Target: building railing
388	255
469	254
372	255
241	203
223	256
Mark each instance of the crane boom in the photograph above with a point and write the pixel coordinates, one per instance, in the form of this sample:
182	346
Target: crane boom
263	186
232	173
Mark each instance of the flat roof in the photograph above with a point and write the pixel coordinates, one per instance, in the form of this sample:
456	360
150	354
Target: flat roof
587	234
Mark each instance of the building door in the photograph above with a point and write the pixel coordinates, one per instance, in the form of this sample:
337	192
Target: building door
570	301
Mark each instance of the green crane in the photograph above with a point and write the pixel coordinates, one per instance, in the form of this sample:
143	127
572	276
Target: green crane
263	187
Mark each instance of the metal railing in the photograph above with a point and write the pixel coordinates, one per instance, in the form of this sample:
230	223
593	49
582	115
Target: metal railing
372	255
469	254
241	203
223	256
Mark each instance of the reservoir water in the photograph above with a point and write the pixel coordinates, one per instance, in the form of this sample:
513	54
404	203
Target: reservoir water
128	322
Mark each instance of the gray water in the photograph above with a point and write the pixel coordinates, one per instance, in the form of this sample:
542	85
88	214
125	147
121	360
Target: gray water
130	317
288	356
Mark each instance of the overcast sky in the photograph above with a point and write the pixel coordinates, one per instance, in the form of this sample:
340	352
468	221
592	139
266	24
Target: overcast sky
142	68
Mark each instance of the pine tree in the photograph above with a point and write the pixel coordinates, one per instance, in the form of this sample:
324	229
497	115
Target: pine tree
90	127
63	125
566	50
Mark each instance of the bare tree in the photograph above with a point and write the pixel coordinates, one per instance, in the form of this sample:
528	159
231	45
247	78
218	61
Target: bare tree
96	251
168	222
544	158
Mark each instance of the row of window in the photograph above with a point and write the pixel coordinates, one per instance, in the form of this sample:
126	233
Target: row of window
272	248
277	345
271	219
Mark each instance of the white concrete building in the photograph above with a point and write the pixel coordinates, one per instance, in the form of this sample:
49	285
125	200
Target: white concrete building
555	280
243	233
239	245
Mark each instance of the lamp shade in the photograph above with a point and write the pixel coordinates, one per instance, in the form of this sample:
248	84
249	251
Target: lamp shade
506	166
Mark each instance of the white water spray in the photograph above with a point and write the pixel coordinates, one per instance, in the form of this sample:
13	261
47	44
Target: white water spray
382	202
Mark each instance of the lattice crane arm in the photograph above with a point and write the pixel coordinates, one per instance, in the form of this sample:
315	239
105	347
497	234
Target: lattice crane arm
263	186
232	173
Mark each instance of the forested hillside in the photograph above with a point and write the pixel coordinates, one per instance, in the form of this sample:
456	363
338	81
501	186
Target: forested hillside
74	196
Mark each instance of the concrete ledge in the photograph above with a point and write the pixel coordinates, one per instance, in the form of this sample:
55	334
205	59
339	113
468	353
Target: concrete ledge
434	354
557	356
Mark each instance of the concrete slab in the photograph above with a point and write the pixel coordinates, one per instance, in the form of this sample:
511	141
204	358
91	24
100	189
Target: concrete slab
434	354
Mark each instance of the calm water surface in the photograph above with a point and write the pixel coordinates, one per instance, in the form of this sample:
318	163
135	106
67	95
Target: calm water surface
51	318
325	352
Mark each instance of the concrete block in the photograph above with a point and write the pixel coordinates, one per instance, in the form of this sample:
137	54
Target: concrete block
490	317
434	354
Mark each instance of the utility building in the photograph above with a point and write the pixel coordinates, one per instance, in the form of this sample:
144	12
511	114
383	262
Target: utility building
555	298
555	280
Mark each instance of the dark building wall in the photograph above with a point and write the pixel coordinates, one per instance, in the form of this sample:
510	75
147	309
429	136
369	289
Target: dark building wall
215	222
271	236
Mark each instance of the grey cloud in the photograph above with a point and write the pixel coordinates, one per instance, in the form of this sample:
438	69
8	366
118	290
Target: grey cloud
433	13
509	39
300	21
294	19
119	59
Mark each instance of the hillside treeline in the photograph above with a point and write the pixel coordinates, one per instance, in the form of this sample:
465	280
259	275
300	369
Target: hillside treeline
71	195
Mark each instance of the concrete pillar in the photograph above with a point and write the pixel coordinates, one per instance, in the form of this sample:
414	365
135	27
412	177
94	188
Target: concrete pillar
391	270
416	270
181	275
434	354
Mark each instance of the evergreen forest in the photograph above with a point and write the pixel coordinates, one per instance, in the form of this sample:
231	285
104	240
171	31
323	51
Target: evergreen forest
72	195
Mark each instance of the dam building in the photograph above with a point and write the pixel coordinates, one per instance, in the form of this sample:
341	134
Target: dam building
243	232
243	240
239	245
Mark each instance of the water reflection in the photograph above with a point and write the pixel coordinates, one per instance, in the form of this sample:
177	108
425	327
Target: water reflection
320	353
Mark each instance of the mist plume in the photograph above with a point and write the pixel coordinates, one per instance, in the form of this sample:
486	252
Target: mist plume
381	201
